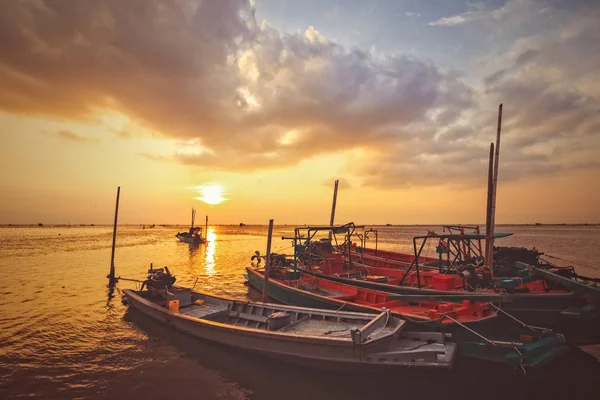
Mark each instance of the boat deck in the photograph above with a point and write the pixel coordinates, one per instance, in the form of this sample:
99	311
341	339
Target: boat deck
204	310
308	325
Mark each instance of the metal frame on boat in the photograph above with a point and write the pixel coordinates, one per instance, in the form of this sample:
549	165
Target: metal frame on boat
570	308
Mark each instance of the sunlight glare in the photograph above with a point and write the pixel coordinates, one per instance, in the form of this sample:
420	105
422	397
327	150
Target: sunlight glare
211	194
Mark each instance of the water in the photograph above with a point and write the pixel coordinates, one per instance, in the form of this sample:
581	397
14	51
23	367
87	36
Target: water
62	336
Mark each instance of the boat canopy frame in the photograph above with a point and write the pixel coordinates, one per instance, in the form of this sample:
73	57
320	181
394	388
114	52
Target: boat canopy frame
304	235
460	248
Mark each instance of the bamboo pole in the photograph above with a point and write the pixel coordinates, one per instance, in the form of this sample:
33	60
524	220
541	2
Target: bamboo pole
265	292
335	190
111	277
489	205
494	191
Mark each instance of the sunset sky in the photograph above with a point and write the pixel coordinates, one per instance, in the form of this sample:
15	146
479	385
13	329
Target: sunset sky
273	100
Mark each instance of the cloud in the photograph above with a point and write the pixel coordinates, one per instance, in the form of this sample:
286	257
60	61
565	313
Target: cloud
70	136
510	10
124	134
155	157
238	94
253	97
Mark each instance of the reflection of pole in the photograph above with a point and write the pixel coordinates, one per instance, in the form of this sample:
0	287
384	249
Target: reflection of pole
335	190
266	283
494	191
111	277
488	208
206	228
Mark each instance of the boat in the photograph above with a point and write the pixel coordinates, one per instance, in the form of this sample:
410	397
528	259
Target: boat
542	294
471	324
194	235
309	336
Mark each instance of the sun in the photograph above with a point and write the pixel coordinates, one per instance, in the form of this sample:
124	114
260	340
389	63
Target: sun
211	194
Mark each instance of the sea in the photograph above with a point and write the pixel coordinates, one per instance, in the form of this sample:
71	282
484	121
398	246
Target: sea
65	335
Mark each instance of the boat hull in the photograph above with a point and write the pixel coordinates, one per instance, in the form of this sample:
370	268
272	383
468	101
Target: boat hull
309	351
471	345
562	312
190	240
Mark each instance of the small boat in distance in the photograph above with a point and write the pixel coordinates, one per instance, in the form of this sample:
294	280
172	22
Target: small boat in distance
194	235
304	335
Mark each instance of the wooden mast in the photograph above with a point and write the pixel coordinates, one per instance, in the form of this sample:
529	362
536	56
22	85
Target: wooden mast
335	190
265	292
490	249
489	205
111	277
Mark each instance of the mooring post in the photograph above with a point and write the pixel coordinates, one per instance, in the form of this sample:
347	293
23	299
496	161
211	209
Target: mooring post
335	190
265	294
206	229
111	277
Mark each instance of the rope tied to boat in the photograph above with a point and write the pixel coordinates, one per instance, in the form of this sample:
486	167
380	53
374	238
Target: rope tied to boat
521	365
543	330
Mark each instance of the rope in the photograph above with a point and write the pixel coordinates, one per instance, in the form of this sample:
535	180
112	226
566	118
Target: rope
532	327
471	330
520	363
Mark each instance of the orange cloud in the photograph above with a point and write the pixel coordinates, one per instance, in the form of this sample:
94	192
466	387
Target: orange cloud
208	72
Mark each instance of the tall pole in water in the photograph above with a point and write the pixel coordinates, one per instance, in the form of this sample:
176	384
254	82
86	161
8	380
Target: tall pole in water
193	217
335	190
265	292
206	228
111	277
490	249
488	207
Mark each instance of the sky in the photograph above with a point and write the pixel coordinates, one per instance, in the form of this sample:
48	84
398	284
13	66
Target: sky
258	106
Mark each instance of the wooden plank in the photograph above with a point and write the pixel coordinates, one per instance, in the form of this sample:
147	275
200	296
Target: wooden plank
251	317
293	324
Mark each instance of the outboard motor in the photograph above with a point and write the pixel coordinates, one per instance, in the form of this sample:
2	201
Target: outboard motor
476	277
158	280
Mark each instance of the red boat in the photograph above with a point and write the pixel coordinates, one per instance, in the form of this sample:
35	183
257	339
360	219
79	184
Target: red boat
473	325
447	313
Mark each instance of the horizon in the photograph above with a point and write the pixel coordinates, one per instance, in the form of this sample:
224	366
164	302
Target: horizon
152	226
248	110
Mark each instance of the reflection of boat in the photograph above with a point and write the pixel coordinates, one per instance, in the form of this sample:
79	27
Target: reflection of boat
194	235
296	334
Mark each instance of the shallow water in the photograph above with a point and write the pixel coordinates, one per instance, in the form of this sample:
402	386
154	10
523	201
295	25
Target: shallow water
62	336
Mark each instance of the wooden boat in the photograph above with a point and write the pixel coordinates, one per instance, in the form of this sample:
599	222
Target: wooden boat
575	315
194	235
468	322
562	300
303	335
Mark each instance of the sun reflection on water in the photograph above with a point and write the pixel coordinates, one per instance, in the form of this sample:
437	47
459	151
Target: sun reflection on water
211	246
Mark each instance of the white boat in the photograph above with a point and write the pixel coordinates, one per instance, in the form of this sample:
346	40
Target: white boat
194	235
